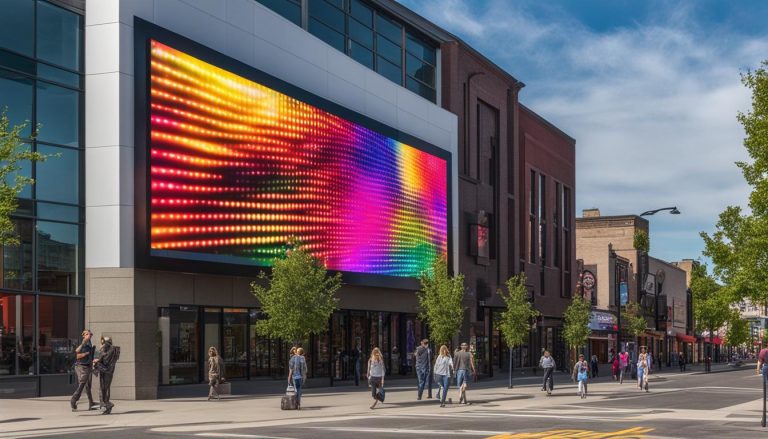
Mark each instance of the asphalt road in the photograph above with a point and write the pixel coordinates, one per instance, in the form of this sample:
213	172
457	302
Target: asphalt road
718	405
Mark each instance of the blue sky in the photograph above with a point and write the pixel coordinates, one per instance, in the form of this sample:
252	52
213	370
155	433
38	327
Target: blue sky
649	89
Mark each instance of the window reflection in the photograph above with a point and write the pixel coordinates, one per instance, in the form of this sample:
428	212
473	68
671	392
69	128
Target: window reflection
17	352
57	253
59	328
17	259
58	178
16	26
58	113
59	35
16	95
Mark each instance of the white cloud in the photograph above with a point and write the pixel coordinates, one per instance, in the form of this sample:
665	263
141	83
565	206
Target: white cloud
652	106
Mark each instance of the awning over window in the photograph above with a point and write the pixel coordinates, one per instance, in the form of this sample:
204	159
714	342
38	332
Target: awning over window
686	338
717	340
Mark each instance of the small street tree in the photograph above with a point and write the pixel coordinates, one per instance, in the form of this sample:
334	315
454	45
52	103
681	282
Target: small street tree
516	319
576	323
738	331
300	297
440	302
13	153
633	319
711	301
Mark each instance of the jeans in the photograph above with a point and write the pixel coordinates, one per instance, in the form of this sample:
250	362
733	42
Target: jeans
549	378
422	375
375	383
462	377
297	385
621	374
640	376
105	383
444	381
583	387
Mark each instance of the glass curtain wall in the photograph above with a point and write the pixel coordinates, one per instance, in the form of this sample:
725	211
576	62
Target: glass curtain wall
41	288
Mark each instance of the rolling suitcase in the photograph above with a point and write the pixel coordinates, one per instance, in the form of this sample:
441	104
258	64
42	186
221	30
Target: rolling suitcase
288	401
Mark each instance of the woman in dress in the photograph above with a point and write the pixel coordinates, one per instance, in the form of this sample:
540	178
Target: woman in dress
376	371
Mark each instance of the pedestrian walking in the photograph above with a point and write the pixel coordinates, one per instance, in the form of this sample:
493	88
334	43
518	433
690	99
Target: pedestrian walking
423	357
615	366
649	362
581	375
297	373
84	354
104	366
642	370
594	364
376	372
681	361
623	365
547	363
463	363
443	372
215	373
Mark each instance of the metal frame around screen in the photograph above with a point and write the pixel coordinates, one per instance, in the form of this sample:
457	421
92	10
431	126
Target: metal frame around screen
145	31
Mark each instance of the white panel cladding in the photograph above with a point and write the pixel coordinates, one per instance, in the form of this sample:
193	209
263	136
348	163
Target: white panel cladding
250	33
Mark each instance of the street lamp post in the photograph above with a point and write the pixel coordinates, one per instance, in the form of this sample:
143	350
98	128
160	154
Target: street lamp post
672	211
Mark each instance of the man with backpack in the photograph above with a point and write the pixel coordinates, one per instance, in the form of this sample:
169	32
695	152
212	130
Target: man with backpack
104	366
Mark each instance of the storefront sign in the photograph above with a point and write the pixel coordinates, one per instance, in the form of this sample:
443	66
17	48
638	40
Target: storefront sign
602	321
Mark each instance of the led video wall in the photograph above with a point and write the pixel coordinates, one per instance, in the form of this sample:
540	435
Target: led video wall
237	168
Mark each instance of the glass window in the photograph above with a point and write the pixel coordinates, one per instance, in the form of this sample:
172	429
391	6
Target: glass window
58	212
58	246
212	325
358	32
58	113
235	353
17	62
17	26
58	176
330	36
58	36
259	348
389	28
420	70
17	259
179	359
17	348
16	96
290	9
328	14
59	330
421	49
389	70
361	54
58	75
421	89
361	12
389	50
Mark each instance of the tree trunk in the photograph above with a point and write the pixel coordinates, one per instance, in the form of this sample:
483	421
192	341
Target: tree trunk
510	367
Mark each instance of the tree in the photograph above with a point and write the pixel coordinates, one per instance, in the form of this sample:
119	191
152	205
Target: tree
641	242
515	322
300	299
576	322
711	302
13	152
738	331
440	302
633	319
739	246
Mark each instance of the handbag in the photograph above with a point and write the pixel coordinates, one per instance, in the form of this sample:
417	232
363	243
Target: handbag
381	394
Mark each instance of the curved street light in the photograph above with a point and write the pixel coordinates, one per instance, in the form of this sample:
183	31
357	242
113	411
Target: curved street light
672	211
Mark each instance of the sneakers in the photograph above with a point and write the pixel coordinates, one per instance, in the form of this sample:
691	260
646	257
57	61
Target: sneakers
73	405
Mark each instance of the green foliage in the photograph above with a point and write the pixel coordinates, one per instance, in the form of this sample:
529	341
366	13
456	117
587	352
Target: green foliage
711	302
641	241
738	331
440	302
739	246
13	152
300	299
516	320
576	322
633	320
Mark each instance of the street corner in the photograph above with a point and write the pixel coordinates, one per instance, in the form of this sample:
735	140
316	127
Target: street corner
628	433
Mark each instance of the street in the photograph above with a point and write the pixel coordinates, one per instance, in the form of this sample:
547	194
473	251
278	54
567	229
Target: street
688	405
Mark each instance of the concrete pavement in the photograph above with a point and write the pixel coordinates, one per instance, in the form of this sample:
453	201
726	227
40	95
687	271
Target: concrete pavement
679	405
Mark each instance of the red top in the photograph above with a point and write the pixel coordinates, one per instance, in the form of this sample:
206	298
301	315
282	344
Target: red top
763	356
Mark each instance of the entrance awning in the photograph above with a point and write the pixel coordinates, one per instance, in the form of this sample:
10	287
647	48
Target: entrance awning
686	338
717	340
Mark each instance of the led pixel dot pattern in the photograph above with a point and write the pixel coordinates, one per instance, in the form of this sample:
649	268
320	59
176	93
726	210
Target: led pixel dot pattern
237	169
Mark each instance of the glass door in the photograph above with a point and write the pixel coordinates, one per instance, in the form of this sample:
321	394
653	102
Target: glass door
180	347
259	348
235	336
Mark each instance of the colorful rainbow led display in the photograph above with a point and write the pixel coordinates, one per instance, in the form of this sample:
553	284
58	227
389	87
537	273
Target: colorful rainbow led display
237	169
